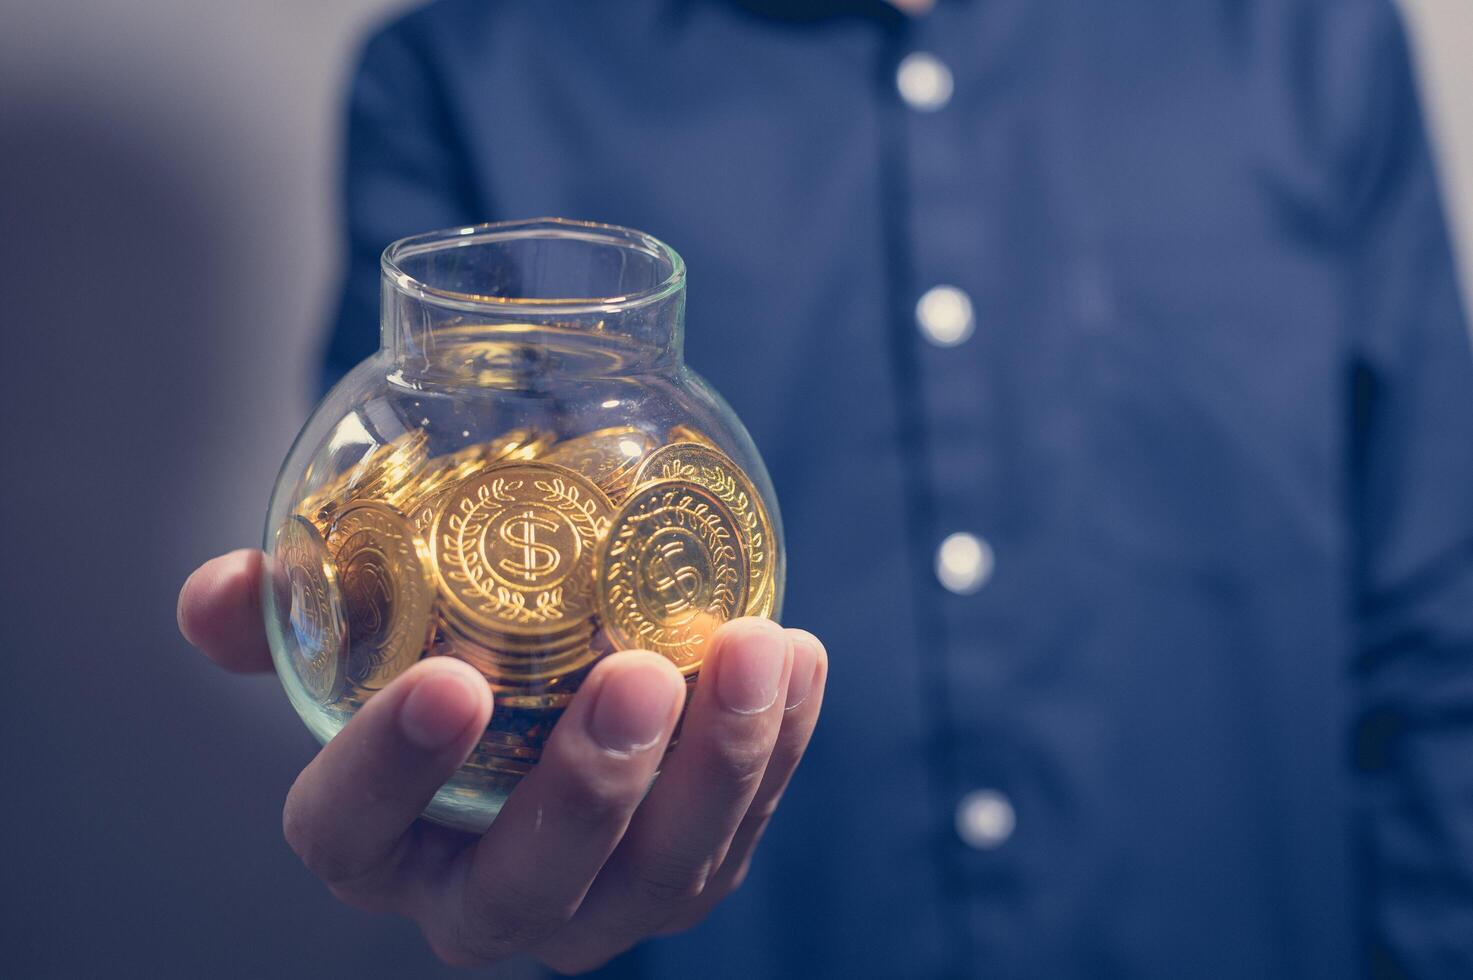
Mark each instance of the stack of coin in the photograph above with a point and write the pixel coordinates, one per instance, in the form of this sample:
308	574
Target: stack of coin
526	557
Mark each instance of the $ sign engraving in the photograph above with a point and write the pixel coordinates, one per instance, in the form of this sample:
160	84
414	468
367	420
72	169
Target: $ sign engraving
703	464
537	558
679	584
512	548
670	571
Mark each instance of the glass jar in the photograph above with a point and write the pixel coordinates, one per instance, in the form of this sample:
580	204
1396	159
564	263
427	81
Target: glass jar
525	476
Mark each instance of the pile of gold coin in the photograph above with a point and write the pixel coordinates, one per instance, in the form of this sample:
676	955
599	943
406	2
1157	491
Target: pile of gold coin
526	556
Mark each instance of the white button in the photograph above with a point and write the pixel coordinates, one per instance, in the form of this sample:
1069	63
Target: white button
964	563
985	819
944	314
924	82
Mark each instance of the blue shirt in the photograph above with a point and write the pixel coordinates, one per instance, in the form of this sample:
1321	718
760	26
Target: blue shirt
1213	426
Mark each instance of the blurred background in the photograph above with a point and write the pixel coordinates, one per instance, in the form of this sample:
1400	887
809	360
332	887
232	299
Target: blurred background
170	256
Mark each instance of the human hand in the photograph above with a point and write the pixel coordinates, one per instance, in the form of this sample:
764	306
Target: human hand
582	863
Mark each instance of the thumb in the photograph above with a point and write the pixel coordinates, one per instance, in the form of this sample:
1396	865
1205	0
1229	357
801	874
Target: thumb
219	612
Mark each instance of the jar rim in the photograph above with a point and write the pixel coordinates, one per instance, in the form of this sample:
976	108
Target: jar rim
544	228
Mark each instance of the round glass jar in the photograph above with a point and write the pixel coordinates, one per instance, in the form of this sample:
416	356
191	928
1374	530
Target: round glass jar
525	476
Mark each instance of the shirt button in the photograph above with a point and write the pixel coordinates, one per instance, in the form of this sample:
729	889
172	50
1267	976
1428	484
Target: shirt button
944	314
924	82
964	563
985	819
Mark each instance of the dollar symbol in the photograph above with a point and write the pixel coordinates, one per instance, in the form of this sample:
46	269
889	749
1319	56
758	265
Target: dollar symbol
368	589
537	557
681	584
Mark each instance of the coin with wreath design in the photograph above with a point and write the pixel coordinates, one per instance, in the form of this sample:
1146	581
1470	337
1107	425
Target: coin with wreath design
308	595
512	548
709	467
670	571
384	573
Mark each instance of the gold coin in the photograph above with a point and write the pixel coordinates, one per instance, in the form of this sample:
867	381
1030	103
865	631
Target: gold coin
712	469
386	468
435	477
309	586
422	513
518	651
483	759
507	671
670	571
382	473
389	595
680	432
443	472
476	633
536	702
320	509
608	457
512	548
517	444
350	700
523	752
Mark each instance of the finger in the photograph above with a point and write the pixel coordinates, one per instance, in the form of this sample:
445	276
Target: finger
220	612
527	876
684	826
804	701
347	814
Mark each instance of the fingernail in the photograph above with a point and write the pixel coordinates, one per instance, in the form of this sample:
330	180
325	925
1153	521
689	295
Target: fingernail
179	606
750	667
805	668
438	710
633	707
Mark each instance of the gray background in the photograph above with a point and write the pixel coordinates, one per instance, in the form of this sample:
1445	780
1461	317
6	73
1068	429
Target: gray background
168	254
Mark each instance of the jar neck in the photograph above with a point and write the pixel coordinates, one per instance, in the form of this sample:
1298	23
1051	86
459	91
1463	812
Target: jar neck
490	303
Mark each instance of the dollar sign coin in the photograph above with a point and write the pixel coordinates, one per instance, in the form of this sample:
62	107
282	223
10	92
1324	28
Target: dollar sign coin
512	549
608	457
707	466
310	606
388	592
670	571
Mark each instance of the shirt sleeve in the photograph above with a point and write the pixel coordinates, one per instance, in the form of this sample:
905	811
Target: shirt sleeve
1412	491
403	173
